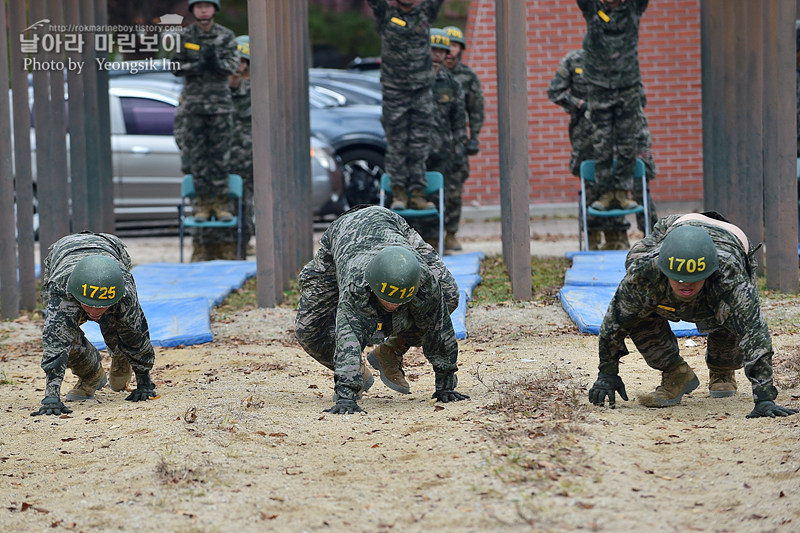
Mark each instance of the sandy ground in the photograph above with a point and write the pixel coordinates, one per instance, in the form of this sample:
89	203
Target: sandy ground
238	441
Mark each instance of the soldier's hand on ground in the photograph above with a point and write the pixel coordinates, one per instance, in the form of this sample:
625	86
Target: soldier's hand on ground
473	146
52	405
605	387
446	396
345	407
145	388
770	409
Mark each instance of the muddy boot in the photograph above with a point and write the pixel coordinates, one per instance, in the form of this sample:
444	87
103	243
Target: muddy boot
419	202
451	243
594	240
604	202
387	358
85	388
721	383
399	199
675	382
624	201
119	375
202	209
222	209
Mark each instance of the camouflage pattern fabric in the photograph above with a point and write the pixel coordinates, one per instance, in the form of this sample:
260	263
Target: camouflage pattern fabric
123	325
405	43
407	120
612	43
727	308
339	315
242	156
206	104
448	144
473	98
615	117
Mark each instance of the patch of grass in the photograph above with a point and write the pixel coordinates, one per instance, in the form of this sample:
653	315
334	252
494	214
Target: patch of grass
245	298
4	379
547	277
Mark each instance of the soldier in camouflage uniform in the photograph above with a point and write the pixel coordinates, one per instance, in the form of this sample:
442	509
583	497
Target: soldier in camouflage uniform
448	137
699	268
359	291
207	56
611	68
242	146
407	77
473	100
87	276
569	89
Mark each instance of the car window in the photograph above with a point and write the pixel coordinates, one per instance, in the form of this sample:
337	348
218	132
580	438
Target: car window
145	116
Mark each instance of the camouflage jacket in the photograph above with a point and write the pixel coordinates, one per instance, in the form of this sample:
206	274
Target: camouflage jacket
206	90
568	87
612	43
473	97
347	247
242	143
64	314
449	135
405	43
729	299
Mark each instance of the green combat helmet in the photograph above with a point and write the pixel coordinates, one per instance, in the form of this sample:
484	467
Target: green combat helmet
393	274
688	254
215	2
456	35
243	44
97	281
439	39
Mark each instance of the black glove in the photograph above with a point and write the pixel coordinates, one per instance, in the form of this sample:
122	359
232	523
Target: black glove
445	388
605	386
473	147
145	388
52	405
583	107
770	409
345	407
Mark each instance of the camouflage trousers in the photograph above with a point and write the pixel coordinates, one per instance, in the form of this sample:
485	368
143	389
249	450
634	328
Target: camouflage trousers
315	325
616	121
659	347
207	138
454	193
407	122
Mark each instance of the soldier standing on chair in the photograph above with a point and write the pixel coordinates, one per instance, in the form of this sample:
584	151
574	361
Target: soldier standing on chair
407	77
611	68
86	276
208	55
473	99
448	139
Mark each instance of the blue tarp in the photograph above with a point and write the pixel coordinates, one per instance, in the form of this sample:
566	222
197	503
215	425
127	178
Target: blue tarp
589	286
177	297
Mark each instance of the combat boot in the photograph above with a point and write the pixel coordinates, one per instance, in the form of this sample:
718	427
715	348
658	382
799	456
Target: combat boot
624	201
399	199
594	239
387	358
604	202
451	243
222	209
721	383
84	390
419	202
119	375
675	382
616	240
202	209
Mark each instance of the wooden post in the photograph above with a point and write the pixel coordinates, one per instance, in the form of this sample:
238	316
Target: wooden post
780	138
106	173
512	96
22	160
77	130
9	288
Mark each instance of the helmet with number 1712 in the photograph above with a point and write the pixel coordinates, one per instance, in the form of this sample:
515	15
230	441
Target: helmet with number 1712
393	274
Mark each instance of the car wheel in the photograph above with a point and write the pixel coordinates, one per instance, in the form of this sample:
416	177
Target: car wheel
362	169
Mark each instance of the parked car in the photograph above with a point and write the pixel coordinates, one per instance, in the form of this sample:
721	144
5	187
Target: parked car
146	160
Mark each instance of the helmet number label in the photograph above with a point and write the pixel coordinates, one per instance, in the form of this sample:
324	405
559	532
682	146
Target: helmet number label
404	293
99	293
676	264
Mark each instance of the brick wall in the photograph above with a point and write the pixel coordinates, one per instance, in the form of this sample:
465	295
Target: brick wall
669	56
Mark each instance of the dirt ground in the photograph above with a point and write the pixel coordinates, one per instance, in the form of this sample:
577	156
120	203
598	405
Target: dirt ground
238	441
